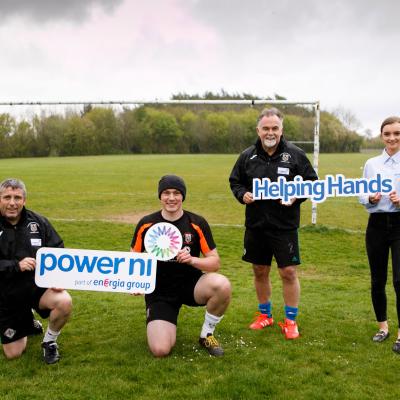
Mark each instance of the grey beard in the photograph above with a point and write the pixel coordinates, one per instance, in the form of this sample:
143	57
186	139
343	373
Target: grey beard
268	143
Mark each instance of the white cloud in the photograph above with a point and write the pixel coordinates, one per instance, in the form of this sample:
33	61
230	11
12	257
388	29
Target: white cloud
339	52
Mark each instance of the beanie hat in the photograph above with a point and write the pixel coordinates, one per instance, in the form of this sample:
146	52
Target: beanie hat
171	182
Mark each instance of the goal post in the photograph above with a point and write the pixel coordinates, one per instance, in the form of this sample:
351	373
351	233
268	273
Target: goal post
251	103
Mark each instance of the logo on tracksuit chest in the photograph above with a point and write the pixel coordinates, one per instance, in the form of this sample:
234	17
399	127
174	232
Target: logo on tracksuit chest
33	227
285	157
188	238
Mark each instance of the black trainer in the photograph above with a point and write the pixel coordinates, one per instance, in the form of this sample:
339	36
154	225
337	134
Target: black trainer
211	345
37	327
50	352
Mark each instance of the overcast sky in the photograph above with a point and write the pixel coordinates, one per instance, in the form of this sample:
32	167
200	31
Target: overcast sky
344	53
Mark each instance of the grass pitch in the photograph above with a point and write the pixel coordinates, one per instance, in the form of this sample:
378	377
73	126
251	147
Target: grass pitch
94	202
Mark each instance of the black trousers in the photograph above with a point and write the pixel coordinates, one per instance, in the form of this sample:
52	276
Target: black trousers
383	234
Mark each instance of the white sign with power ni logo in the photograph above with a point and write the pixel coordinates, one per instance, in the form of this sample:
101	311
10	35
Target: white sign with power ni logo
104	271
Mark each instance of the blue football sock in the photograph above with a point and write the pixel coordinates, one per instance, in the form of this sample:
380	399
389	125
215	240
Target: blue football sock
266	308
291	312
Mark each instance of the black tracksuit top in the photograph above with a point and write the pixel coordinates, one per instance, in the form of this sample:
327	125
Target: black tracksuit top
254	162
17	242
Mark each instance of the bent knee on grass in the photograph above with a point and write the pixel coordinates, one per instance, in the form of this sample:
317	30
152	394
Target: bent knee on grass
15	349
159	350
161	337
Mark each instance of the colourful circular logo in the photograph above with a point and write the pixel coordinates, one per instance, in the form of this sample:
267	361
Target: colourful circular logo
163	241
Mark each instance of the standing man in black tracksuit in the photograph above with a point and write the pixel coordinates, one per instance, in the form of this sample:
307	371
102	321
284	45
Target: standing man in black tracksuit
271	226
22	234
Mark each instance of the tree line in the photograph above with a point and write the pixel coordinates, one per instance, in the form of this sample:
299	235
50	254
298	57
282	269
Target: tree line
162	129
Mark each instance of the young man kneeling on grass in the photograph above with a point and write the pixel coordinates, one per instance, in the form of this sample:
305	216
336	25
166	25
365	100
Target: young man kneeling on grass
187	278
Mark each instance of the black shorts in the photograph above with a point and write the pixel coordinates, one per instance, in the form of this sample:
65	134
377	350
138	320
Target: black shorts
16	320
166	307
261	246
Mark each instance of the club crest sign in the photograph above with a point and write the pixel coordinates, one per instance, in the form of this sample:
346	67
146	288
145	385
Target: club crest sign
97	270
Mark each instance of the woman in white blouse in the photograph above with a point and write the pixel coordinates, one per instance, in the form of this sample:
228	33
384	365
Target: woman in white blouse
383	230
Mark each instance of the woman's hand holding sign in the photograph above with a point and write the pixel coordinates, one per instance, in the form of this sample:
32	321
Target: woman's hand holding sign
394	198
374	198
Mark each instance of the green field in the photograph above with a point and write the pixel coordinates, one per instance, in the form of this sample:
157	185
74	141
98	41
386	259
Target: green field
94	203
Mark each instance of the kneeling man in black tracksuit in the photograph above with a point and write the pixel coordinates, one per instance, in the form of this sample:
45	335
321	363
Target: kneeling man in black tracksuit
22	234
188	278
